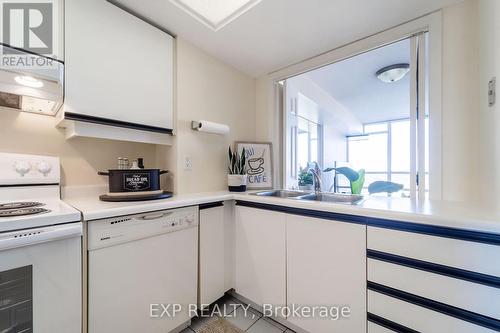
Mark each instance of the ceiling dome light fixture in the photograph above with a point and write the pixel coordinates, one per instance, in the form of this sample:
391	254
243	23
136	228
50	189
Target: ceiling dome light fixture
392	73
29	81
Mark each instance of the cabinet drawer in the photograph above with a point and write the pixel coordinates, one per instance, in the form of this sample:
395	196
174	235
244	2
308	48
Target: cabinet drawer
381	325
374	328
471	256
462	294
418	318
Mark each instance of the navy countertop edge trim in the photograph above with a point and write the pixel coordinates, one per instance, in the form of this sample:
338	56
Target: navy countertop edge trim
462	274
449	310
427	229
305	212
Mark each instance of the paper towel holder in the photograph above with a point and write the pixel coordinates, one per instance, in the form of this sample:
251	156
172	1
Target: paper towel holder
209	127
196	125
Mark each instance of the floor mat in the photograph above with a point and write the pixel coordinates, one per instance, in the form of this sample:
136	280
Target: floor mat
220	325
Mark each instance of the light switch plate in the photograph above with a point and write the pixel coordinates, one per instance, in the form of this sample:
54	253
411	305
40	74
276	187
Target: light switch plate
492	91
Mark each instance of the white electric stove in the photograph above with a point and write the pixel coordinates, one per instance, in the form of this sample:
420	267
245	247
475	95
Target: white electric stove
40	248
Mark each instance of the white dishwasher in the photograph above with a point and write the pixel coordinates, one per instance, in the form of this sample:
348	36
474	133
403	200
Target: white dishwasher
140	265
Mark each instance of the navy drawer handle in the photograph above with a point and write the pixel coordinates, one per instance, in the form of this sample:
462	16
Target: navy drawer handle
389	324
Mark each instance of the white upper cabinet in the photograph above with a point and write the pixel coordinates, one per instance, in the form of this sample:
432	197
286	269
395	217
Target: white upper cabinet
119	69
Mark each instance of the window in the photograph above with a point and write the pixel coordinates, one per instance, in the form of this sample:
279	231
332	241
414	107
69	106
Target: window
304	136
384	152
307	142
344	114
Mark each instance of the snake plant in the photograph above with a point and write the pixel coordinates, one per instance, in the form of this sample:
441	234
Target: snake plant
236	162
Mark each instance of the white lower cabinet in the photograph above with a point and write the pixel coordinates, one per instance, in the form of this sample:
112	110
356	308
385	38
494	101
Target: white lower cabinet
305	264
433	282
374	328
212	248
326	266
418	318
470	296
467	255
260	269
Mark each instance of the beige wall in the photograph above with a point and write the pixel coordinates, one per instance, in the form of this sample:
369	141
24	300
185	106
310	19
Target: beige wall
489	185
81	158
460	102
210	90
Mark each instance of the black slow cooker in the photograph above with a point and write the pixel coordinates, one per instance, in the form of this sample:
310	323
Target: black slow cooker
133	180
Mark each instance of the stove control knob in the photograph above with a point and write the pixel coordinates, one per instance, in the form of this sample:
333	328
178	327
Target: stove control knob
44	168
22	167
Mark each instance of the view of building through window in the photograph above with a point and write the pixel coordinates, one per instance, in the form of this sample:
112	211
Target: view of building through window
384	152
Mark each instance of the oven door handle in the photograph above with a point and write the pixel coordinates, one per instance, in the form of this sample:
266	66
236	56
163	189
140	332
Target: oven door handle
12	240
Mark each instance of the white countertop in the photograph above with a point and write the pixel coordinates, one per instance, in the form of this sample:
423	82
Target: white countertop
440	213
86	200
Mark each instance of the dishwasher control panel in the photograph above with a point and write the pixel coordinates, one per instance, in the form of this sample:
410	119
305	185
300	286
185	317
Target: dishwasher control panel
118	230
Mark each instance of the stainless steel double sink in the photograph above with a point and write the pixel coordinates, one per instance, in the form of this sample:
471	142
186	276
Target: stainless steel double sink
349	199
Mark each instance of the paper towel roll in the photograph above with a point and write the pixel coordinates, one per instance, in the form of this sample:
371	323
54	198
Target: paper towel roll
210	127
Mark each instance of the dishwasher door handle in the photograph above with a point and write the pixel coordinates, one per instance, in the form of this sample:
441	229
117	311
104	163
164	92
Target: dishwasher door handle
157	216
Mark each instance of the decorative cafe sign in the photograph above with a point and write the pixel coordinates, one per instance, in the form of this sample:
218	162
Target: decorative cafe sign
259	164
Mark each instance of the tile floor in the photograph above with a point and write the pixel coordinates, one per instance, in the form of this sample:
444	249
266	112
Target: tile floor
233	310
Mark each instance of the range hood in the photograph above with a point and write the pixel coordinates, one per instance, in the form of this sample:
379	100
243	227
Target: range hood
30	82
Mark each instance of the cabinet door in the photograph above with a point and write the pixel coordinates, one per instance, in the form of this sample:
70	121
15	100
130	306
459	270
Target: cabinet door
118	67
326	266
260	256
212	249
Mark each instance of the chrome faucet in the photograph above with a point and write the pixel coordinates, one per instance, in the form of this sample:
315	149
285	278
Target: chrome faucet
316	172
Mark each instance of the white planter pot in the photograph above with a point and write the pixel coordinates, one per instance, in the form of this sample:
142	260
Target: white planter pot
306	187
237	183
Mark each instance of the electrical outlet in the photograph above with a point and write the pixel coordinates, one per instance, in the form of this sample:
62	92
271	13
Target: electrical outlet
188	163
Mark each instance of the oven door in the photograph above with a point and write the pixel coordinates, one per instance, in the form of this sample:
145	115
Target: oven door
40	280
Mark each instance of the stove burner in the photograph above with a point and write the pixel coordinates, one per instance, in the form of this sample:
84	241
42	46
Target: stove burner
22	212
20	204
